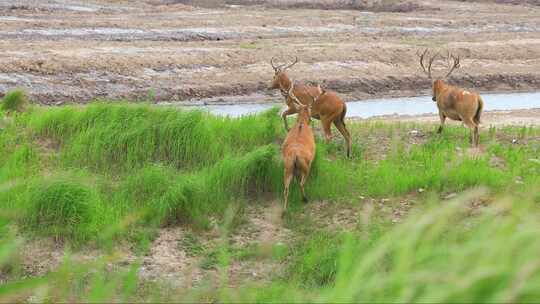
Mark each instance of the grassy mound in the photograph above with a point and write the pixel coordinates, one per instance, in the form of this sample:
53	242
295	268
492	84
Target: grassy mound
121	137
165	166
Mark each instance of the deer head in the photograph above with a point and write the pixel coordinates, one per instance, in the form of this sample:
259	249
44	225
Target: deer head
452	62
280	77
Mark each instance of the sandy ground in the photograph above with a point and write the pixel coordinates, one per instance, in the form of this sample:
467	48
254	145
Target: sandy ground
169	50
529	117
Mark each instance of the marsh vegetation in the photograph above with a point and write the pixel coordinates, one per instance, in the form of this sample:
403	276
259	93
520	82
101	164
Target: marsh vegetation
414	216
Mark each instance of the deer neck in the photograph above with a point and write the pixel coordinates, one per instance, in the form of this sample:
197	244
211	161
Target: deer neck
303	119
285	84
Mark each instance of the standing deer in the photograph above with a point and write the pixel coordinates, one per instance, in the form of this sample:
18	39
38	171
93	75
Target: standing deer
453	102
298	148
329	108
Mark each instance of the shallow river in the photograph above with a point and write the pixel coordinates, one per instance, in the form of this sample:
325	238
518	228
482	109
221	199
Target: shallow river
391	106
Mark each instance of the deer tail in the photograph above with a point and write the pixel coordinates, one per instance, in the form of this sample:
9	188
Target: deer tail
295	166
479	110
343	113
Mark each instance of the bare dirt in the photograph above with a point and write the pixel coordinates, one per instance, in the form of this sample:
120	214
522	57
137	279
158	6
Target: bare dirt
173	50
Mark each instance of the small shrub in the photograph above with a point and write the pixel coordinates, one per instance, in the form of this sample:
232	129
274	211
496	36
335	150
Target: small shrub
316	261
254	173
61	208
181	204
147	184
14	101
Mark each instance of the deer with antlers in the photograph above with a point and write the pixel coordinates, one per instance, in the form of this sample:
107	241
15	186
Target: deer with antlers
329	107
453	102
298	148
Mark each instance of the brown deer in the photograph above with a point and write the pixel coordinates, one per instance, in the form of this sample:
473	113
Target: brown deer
329	108
453	102
298	149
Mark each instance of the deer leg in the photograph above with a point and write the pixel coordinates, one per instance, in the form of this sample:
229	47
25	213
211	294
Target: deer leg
442	118
474	131
287	180
284	115
476	136
340	125
327	128
302	182
304	167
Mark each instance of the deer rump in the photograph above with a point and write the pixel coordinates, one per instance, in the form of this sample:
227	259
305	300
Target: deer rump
328	103
457	104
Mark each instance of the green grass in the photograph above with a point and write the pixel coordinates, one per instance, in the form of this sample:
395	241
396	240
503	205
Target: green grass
60	208
438	255
14	101
192	245
102	175
248	46
316	261
167	167
122	137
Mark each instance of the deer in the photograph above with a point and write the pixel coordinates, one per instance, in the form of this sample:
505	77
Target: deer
298	149
329	108
453	102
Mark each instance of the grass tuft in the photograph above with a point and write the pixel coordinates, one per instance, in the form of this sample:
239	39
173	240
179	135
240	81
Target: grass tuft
14	101
61	208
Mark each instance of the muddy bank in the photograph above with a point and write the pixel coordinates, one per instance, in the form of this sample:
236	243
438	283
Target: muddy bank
358	89
85	88
373	6
249	32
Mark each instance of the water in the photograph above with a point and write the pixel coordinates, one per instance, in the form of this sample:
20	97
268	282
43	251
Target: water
393	106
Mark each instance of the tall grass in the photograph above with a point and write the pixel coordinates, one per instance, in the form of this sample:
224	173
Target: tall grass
112	137
14	101
61	208
120	172
439	254
444	255
169	166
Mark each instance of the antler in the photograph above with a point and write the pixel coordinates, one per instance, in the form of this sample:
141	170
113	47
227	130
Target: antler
293	97
455	63
292	64
276	68
430	62
272	63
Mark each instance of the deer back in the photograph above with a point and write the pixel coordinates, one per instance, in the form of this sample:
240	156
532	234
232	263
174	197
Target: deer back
457	101
302	92
329	103
300	141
